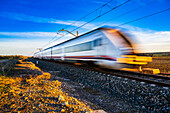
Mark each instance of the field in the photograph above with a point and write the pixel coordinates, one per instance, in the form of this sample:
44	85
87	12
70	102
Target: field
161	63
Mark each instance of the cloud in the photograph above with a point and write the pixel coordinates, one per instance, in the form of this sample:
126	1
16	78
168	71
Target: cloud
152	41
20	46
49	37
152	36
144	34
24	17
77	24
29	34
148	40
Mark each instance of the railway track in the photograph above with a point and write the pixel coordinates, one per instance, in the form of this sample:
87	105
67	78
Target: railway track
148	78
143	92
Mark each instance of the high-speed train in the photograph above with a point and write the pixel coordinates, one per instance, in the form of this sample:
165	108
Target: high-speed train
105	46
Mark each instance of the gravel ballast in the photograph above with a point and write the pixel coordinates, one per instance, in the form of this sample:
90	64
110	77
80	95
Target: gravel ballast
107	92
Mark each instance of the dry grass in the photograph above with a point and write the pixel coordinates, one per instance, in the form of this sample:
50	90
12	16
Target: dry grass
36	94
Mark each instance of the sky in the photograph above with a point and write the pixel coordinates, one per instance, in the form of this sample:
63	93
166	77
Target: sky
27	25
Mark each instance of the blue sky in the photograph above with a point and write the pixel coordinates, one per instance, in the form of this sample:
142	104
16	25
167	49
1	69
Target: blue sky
26	25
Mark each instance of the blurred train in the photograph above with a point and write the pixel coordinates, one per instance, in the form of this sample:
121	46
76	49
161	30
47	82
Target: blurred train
105	46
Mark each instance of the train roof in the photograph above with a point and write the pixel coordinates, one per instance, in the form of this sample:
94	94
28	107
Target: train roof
100	28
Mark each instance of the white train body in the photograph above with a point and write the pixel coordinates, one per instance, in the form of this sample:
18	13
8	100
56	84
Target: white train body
102	46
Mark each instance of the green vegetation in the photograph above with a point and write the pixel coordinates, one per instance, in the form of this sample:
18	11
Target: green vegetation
6	66
8	62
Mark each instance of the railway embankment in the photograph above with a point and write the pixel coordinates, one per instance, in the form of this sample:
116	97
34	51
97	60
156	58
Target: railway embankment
111	93
30	89
43	86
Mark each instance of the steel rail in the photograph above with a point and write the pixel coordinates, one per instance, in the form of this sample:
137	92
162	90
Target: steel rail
125	74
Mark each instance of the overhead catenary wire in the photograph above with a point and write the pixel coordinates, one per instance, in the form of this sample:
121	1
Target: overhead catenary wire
53	38
144	17
49	41
97	17
127	12
107	20
89	14
140	17
101	15
84	17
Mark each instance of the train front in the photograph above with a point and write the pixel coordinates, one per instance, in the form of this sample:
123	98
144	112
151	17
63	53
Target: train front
122	47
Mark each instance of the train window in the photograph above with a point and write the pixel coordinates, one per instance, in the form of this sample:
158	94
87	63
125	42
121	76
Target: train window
57	51
47	53
43	53
85	46
98	42
80	47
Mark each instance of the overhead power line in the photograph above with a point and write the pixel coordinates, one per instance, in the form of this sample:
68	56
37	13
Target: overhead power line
127	12
97	17
140	18
144	17
89	13
117	16
101	15
82	18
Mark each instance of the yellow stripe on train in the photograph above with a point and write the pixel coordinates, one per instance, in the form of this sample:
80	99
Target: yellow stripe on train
134	59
